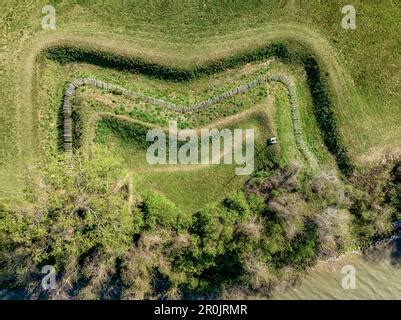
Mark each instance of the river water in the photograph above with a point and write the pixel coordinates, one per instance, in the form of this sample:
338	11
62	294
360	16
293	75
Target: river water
377	276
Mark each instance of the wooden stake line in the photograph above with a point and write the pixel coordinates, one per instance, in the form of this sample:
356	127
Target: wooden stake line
76	83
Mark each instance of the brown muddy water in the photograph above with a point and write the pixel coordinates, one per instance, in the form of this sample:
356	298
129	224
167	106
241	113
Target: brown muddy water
377	276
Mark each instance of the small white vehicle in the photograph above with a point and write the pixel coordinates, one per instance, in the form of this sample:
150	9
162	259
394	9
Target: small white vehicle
271	141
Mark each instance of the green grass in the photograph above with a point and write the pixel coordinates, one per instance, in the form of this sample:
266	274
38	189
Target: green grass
191	33
285	131
189	190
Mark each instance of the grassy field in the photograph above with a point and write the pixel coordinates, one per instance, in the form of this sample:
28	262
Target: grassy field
347	87
364	81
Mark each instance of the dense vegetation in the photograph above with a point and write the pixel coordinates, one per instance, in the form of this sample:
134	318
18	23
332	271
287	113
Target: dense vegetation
106	245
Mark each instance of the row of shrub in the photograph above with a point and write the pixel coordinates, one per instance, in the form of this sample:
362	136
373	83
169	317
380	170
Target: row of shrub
67	54
325	116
